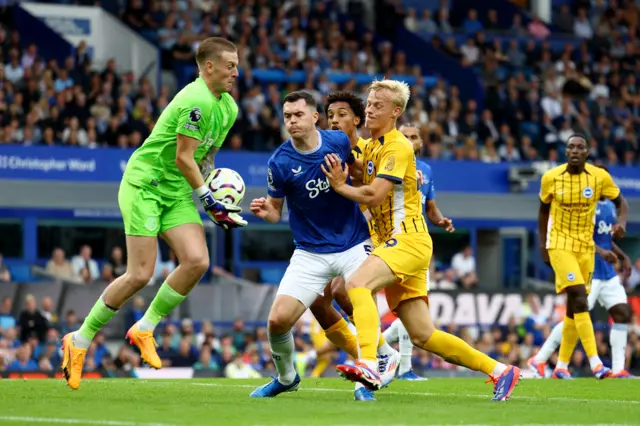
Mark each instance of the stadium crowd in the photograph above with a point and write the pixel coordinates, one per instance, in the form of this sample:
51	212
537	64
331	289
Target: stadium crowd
535	96
30	341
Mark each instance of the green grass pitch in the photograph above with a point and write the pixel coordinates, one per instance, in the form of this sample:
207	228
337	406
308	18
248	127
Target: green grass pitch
124	402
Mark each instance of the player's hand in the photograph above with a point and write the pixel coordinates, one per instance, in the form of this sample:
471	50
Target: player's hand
420	177
545	256
259	207
608	256
446	224
222	214
336	174
626	267
618	231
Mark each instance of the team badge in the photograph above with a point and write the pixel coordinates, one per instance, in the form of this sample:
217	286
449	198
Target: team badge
270	178
195	115
587	192
151	223
571	276
370	167
391	162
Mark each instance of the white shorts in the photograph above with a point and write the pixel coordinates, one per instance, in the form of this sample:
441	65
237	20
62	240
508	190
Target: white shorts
607	292
309	273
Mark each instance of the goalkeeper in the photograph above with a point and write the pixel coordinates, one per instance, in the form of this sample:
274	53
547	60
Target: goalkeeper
155	197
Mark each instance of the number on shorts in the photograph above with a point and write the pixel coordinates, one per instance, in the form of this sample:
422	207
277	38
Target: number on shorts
368	249
391	243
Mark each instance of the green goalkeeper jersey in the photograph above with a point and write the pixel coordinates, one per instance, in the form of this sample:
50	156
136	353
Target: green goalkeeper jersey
193	112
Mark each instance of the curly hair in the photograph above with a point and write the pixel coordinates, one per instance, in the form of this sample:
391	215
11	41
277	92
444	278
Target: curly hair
350	98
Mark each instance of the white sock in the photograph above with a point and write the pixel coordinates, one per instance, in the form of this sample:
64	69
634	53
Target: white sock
594	361
551	344
386	349
391	333
562	365
618	340
282	354
145	325
79	341
406	349
499	369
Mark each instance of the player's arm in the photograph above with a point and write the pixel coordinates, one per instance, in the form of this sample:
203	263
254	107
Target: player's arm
189	135
611	191
546	196
609	256
393	166
626	261
622	207
433	213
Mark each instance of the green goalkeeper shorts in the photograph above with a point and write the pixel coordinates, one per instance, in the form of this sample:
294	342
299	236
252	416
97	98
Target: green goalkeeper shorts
146	213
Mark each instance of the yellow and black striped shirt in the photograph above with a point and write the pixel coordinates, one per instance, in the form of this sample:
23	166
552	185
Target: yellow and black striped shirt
391	157
573	199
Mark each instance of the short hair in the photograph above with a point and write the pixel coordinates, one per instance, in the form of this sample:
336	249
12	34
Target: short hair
350	98
579	136
213	47
411	124
400	89
301	94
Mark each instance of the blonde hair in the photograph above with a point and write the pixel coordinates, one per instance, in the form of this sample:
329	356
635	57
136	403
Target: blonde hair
400	89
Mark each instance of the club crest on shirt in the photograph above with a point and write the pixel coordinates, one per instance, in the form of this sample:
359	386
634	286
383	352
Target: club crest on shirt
391	162
270	178
370	167
587	192
571	276
195	115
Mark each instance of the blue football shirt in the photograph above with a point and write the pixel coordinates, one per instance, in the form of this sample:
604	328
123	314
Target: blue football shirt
321	220
427	189
606	217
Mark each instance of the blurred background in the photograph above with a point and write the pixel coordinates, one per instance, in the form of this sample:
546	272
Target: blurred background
497	87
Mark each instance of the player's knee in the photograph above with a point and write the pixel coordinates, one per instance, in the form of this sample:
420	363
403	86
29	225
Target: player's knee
421	336
580	304
138	278
278	324
199	263
621	314
279	321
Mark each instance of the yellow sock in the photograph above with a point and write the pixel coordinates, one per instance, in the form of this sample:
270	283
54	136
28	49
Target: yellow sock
585	331
340	335
367	322
381	341
321	365
569	340
455	351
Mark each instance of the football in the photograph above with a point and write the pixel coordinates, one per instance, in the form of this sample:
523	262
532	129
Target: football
226	185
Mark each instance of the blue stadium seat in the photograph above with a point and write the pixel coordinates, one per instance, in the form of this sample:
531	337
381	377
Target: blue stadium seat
271	275
20	271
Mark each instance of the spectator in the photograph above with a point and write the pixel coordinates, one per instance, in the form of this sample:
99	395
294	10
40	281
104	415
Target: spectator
426	22
237	369
70	323
206	361
23	360
634	279
538	29
31	321
84	266
472	24
118	265
5	274
135	313
47	310
59	266
464	264
7	320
